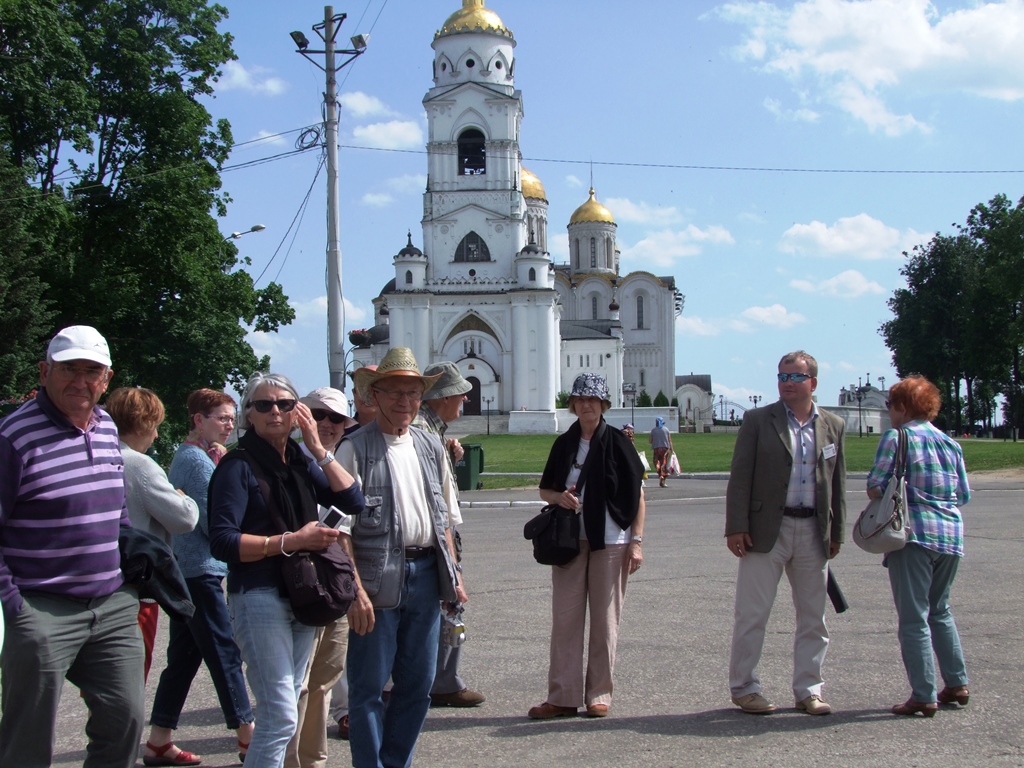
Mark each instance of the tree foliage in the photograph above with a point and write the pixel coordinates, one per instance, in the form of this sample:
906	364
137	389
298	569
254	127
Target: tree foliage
99	106
959	321
660	401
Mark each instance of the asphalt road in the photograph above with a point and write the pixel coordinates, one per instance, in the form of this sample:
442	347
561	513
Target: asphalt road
671	705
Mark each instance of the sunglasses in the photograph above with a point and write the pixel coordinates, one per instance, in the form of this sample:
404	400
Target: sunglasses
335	418
797	377
266	406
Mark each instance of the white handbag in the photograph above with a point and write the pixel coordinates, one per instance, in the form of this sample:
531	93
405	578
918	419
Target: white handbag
882	526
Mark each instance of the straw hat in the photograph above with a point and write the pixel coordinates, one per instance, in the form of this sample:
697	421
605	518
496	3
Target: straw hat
397	363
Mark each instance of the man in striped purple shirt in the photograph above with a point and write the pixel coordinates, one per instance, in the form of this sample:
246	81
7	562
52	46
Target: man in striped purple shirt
68	612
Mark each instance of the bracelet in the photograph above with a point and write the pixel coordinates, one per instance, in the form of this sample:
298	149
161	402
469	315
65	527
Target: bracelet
286	554
266	544
638	539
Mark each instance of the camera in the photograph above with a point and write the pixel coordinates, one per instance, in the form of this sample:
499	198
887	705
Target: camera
454	628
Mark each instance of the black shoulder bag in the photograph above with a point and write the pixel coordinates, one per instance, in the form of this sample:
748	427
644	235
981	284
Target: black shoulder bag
556	530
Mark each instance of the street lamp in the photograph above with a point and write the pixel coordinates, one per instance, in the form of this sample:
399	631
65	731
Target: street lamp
859	394
487	402
630	391
250	230
328	31
721	405
755	399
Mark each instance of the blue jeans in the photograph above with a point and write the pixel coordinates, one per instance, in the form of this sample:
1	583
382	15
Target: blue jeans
275	648
97	646
403	644
920	581
206	637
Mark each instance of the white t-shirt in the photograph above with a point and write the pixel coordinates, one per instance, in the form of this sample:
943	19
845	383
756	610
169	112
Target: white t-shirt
612	533
413	512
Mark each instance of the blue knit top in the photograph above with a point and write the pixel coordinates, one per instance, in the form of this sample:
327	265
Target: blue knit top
191	470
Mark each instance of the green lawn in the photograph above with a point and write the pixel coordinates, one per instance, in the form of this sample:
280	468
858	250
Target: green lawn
711	453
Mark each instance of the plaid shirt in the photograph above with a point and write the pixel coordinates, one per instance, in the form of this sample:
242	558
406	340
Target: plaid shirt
936	485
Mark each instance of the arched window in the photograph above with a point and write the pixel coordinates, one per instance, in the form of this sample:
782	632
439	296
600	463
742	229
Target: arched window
576	251
408	277
643	378
593	307
639	311
610	253
472	248
533	274
472	153
593	253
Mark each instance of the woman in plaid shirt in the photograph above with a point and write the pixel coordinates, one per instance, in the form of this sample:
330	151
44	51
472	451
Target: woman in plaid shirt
921	574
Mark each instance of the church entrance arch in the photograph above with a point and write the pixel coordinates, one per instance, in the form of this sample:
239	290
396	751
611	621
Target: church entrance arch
472	405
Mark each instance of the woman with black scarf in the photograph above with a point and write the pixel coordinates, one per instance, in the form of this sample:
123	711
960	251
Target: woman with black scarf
275	647
595	469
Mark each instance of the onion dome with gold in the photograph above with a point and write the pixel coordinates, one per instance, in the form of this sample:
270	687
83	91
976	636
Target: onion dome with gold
473	17
531	185
592	211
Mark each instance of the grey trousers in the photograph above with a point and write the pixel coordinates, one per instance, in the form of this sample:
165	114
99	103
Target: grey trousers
446	677
97	645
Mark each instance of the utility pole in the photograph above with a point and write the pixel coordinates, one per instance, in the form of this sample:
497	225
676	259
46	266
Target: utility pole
328	31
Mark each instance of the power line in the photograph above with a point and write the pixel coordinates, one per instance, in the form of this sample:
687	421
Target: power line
300	212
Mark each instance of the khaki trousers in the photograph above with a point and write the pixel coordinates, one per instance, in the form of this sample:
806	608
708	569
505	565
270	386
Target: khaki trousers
308	747
598	580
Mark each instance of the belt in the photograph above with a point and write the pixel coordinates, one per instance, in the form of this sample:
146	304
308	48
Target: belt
415	553
802	512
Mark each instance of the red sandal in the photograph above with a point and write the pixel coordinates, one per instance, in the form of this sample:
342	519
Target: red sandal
243	750
182	758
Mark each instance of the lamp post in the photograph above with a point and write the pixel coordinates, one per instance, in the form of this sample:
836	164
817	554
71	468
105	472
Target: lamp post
249	231
860	396
755	399
721	405
328	31
629	390
487	402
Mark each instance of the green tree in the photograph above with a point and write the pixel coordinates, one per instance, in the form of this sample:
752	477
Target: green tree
660	400
643	400
562	400
140	254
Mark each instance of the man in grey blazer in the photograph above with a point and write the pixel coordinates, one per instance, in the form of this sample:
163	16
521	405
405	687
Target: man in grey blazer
785	511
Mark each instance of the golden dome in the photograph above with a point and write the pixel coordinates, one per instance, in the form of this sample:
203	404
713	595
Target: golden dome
592	211
531	185
473	16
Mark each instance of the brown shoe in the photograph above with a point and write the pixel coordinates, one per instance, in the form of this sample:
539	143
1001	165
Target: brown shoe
547	711
813	705
343	728
959	694
911	707
597	710
754	704
463	698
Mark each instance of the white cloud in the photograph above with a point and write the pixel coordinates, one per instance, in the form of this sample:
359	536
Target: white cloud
377	199
558	247
696	326
361	105
266	138
858	54
663	248
313	313
237	78
850	284
775	316
410	182
860	236
625	209
802	115
573	181
395	134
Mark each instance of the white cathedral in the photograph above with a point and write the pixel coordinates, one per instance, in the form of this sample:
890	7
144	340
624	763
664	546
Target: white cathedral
484	291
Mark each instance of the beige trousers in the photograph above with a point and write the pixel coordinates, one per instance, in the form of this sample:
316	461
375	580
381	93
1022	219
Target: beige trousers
598	580
308	747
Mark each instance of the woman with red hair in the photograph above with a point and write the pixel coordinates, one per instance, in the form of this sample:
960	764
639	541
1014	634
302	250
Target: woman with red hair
922	573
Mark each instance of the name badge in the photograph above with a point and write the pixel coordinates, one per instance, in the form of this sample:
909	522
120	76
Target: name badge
829	451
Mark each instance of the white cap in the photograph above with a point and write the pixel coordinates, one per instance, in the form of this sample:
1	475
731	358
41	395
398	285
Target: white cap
327	399
79	342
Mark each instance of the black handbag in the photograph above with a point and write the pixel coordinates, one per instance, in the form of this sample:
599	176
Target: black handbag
556	535
321	585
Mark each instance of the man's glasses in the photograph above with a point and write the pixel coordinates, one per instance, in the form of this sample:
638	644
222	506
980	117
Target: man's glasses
320	414
888	404
797	377
225	420
72	372
399	394
266	406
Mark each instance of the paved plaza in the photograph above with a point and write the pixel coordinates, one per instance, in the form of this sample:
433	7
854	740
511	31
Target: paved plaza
671	705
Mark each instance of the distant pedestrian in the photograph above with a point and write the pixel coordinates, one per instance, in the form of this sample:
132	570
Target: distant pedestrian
921	574
661	441
784	512
68	612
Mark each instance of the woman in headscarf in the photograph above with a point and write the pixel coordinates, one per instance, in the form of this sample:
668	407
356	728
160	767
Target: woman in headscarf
594	469
274	645
661	441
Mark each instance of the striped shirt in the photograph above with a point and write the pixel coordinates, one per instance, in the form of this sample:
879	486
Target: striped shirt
62	504
802	488
936	485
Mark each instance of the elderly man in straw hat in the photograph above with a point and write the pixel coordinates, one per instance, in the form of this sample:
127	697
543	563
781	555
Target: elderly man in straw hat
441	406
405	559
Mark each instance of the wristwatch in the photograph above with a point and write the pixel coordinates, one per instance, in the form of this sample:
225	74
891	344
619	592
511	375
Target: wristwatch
638	539
327	459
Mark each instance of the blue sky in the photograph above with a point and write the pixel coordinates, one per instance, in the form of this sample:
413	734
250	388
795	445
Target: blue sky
711	129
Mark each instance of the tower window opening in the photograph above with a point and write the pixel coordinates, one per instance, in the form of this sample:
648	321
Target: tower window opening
533	274
639	311
472	248
593	253
593	307
470	63
497	65
472	153
408	277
